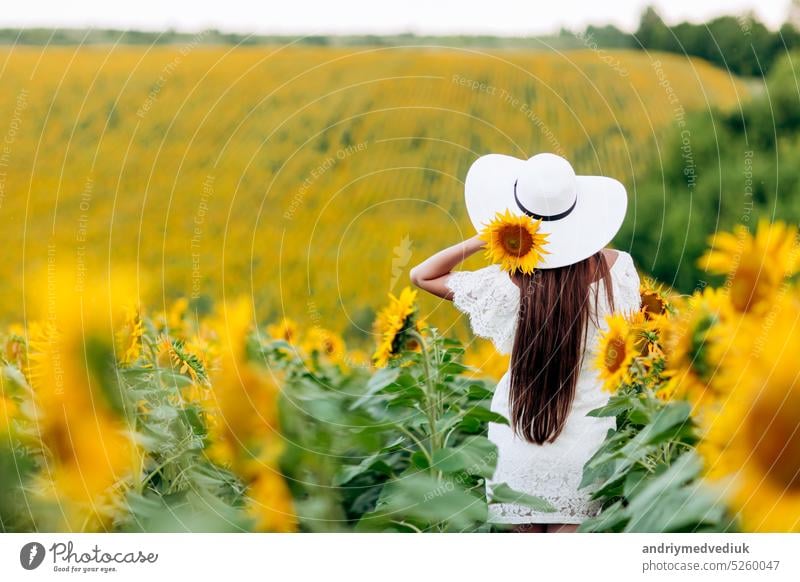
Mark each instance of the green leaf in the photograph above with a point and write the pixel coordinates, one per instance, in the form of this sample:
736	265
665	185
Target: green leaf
448	420
671	502
421	498
454	368
640	415
453	343
280	344
420	461
479	391
483	414
191	416
611	519
502	493
668	422
173	379
471	426
477	455
163	412
380	380
408	398
394	444
373	463
603	464
615	406
195	510
633	481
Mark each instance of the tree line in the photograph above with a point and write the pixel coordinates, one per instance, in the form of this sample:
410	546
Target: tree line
741	44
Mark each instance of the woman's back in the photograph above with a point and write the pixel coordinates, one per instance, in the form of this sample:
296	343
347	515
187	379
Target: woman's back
550	470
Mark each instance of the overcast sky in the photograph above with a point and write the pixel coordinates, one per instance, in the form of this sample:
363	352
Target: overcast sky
502	17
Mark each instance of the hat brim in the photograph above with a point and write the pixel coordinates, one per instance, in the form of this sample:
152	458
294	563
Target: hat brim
592	224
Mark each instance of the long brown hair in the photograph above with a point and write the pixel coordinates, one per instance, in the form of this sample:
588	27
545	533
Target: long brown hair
554	312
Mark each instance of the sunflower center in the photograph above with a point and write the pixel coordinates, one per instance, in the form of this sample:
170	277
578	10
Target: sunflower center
653	303
774	427
516	240
615	353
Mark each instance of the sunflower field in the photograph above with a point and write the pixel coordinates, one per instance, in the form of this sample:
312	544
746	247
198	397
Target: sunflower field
206	324
309	178
114	418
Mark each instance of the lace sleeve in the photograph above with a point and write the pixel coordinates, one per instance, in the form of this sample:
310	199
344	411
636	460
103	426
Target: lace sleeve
491	301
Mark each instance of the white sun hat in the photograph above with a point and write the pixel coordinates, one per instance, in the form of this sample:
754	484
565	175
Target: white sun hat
581	214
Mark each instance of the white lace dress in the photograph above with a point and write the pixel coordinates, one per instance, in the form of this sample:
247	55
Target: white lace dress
552	470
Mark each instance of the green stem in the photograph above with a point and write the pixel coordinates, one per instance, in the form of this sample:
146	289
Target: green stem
158	468
437	360
417	442
453	430
430	394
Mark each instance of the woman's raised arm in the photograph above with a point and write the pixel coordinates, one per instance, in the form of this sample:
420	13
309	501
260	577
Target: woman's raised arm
432	273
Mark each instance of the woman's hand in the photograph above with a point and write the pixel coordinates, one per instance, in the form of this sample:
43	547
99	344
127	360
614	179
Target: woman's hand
432	274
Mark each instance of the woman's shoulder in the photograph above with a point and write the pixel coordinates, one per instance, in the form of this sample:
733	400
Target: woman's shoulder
621	267
626	282
622	260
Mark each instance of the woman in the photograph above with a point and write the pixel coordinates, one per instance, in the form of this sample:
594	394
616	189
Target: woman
548	319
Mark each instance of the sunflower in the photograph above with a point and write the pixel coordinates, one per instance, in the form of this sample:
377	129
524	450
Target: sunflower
654	299
243	422
393	324
660	331
285	329
74	413
89	453
129	336
514	241
648	360
197	394
700	341
326	343
175	354
665	392
644	339
616	352
269	503
751	445
243	417
756	266
204	346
